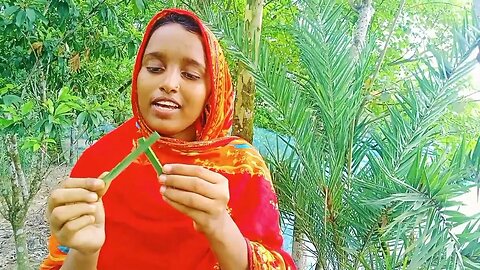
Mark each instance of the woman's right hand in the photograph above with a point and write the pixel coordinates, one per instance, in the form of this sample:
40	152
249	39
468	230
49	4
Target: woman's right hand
76	215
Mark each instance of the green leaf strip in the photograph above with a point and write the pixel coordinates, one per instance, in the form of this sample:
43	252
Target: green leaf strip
153	158
142	146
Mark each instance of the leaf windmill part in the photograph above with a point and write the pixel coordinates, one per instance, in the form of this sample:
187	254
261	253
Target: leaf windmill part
153	158
142	147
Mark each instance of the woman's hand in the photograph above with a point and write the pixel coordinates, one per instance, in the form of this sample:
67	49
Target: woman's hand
203	195
76	215
199	193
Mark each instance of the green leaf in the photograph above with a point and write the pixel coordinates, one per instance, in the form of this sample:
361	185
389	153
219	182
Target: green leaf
31	15
64	94
62	109
51	141
471	264
140	5
131	157
8	100
6	88
20	19
131	48
63	10
51	109
81	118
153	158
4	123
456	217
10	10
41	17
27	107
36	147
468	237
48	127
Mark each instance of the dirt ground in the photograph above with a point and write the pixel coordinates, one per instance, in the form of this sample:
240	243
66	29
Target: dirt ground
36	226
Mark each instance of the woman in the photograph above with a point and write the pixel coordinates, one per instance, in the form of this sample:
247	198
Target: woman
213	207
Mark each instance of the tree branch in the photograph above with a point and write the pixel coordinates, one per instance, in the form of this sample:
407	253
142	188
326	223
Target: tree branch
125	85
384	51
413	58
365	11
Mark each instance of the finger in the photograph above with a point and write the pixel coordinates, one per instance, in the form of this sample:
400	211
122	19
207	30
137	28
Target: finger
63	214
105	188
71	195
192	170
189	199
92	184
192	213
190	184
75	225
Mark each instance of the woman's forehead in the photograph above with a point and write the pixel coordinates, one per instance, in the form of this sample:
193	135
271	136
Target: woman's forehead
172	41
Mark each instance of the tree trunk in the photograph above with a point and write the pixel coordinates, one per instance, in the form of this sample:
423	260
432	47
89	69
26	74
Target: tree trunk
245	90
71	150
58	147
21	250
19	184
20	199
365	14
298	251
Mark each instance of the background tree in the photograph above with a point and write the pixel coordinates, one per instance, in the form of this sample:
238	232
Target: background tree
245	90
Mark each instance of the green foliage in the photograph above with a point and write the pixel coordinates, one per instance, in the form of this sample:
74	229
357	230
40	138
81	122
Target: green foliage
64	66
370	190
57	44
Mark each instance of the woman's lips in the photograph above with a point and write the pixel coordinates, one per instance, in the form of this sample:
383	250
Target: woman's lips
162	111
164	107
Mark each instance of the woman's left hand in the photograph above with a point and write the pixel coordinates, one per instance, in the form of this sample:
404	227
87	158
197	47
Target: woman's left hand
199	193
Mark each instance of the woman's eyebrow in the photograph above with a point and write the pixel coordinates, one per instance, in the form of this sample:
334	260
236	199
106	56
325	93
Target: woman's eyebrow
193	62
154	55
185	60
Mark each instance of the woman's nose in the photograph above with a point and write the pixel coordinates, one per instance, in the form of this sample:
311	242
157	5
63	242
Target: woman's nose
170	82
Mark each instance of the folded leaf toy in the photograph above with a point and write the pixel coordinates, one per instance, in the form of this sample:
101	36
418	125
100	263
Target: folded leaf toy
143	147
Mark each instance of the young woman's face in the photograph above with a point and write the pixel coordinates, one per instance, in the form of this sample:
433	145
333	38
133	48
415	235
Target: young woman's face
172	85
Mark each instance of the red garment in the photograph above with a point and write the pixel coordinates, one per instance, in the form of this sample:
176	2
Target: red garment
144	232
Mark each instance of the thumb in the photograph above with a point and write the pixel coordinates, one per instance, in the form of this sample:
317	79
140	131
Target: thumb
107	185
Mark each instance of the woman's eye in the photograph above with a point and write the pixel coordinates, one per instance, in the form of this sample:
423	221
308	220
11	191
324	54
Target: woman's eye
190	76
155	69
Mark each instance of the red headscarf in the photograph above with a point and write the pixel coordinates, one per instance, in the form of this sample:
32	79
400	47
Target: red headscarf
216	120
142	231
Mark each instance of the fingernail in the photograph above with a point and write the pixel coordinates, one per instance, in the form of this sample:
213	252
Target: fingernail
162	178
162	189
167	168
